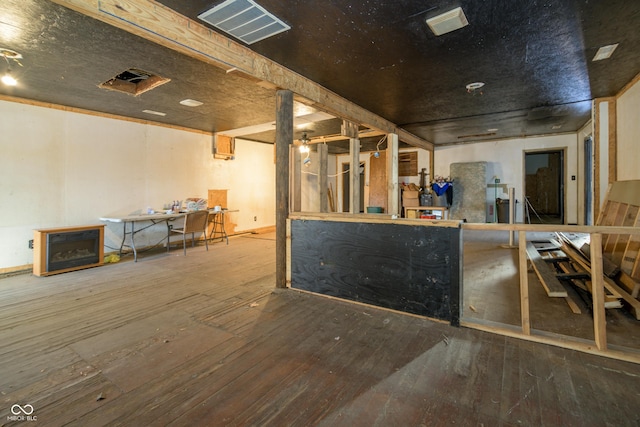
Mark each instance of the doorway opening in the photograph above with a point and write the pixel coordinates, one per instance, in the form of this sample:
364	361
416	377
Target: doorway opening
544	187
346	191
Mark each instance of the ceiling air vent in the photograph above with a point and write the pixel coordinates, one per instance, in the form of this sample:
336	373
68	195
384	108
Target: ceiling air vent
134	81
244	20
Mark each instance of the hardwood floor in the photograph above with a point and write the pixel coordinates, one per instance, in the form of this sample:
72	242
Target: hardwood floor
206	340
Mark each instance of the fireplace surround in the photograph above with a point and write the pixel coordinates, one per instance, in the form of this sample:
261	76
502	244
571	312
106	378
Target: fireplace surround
59	250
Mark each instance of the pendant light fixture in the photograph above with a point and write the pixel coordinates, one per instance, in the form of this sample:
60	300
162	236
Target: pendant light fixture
7	78
304	148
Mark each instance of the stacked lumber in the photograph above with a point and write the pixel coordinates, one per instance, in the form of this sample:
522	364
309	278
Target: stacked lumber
558	272
621	207
567	260
580	263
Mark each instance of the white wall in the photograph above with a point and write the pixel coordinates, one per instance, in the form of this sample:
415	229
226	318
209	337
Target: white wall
628	134
505	160
60	168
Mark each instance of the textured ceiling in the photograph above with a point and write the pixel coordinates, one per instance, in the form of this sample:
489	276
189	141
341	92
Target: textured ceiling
534	57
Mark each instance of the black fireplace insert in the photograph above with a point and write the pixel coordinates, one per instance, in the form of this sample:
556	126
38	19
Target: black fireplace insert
72	249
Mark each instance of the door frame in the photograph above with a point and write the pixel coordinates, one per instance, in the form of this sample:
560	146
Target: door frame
562	182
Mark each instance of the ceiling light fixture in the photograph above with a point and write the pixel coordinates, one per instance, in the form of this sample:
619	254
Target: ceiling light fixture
8	78
156	113
475	88
605	52
448	22
304	148
191	103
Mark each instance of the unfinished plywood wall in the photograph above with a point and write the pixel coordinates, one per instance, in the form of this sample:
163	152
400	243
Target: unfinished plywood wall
469	191
415	269
378	181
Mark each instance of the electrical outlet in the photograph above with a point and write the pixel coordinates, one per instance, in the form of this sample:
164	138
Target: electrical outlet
255	218
31	244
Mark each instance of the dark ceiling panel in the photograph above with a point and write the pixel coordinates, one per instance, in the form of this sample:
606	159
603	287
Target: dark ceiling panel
68	55
534	57
605	23
381	55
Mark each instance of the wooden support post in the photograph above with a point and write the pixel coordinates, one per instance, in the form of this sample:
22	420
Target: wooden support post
597	292
284	139
323	164
349	129
524	283
393	186
296	179
431	165
354	176
512	214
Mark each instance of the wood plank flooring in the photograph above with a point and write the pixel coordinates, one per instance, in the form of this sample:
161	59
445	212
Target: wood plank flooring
206	340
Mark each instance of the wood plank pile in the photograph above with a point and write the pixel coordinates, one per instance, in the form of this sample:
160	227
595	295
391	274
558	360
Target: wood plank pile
622	208
564	263
568	258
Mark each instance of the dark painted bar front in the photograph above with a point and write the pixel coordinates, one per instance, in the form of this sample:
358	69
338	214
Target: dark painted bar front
407	267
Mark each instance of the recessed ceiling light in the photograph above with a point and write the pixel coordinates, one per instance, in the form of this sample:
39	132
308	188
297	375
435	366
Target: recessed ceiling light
448	21
157	113
492	130
605	52
191	103
475	88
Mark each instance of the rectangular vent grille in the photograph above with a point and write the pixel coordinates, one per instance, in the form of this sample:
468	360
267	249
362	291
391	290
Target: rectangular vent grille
244	20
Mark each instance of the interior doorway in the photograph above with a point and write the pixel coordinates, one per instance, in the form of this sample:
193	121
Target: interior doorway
544	187
346	191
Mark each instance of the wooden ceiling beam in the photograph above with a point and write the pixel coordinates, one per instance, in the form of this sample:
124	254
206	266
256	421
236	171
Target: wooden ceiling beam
161	25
